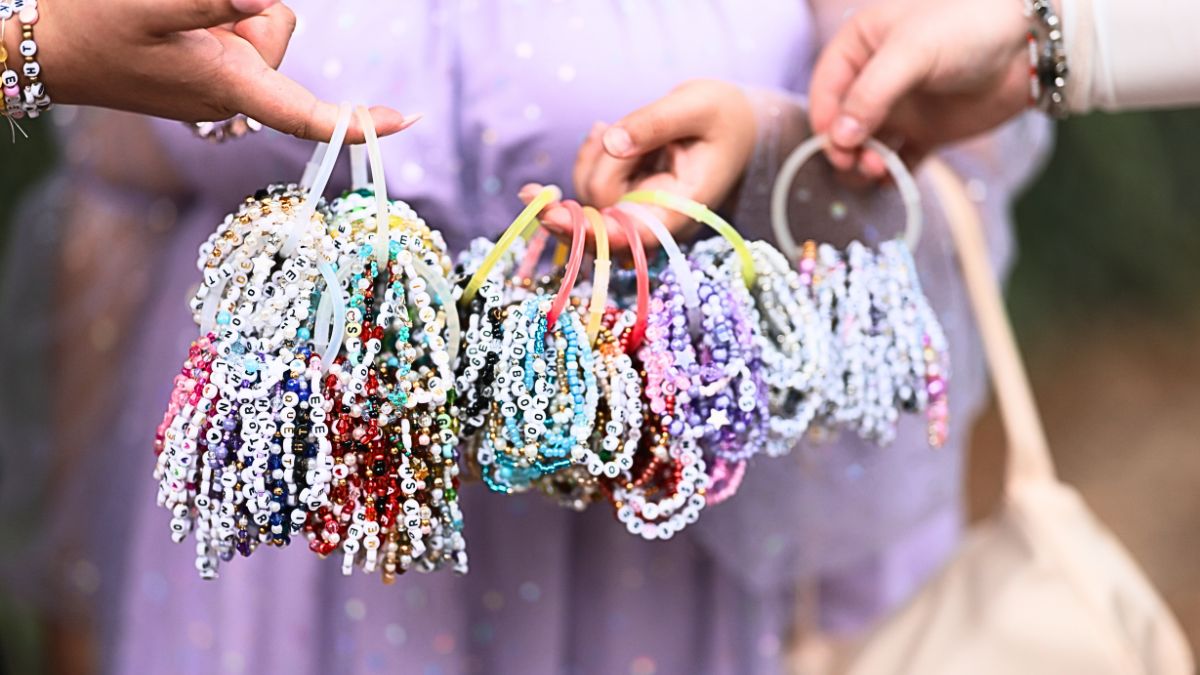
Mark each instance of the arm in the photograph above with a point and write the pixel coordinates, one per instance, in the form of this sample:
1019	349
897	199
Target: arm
190	60
923	73
1126	55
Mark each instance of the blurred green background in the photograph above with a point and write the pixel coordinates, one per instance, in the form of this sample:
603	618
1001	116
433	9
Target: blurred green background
1108	269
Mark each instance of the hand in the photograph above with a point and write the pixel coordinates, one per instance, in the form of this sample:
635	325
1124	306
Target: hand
695	142
189	60
917	74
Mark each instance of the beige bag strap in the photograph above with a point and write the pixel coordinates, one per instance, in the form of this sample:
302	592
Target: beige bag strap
1029	453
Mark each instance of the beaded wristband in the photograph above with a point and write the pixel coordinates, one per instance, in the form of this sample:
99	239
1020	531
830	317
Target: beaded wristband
1048	63
10	81
35	101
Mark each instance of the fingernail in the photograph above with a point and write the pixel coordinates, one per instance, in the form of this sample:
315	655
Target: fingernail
410	120
252	6
617	142
848	131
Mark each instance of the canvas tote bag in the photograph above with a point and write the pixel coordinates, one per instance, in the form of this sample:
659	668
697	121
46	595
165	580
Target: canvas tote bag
1041	587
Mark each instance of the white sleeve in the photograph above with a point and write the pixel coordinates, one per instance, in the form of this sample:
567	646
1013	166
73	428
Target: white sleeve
1129	54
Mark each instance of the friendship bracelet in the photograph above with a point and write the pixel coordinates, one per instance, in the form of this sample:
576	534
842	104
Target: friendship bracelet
10	82
35	101
1048	62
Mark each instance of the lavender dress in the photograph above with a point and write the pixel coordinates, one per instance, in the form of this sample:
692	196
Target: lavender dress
508	89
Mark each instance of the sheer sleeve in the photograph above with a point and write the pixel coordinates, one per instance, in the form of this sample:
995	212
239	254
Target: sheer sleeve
1125	55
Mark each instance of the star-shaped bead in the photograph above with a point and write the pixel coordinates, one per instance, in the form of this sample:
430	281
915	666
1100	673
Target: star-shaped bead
718	418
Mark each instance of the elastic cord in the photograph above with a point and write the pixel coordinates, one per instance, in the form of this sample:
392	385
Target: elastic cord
441	289
787	173
320	179
334	288
561	254
358	167
533	253
701	214
574	262
325	310
208	312
314	162
642	270
548	194
602	268
679	263
383	230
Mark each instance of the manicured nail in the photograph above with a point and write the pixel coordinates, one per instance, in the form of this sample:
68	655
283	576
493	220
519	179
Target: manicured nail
252	6
410	120
528	192
848	132
617	142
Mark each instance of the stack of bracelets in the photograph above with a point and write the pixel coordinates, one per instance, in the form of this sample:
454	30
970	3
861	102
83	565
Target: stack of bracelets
345	372
29	100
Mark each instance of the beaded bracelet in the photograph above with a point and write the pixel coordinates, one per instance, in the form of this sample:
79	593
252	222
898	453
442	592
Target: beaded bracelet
787	335
34	101
1048	69
10	81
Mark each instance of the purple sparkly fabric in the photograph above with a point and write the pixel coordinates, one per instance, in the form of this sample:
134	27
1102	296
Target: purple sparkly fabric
508	88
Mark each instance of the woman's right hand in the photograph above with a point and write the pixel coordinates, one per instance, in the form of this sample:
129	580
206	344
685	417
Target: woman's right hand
189	60
918	74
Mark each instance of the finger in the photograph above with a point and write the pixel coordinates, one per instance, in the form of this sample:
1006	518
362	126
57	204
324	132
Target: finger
585	160
686	112
280	103
554	216
269	32
609	179
893	71
162	18
838	65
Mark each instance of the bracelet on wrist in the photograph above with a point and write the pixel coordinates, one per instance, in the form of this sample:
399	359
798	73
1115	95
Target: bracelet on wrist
31	99
1048	69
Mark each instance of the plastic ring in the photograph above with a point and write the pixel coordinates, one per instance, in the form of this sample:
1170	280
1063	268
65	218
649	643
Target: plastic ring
787	173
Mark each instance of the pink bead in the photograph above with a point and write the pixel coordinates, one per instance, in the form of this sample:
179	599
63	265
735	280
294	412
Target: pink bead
12	92
28	16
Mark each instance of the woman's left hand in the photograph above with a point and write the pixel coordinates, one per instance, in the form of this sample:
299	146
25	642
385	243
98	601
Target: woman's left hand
694	142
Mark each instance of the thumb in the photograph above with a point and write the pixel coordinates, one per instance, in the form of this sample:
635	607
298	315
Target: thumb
898	67
180	15
684	113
